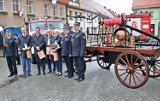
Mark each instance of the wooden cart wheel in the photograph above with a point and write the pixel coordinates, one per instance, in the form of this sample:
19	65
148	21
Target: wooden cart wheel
154	65
101	62
131	69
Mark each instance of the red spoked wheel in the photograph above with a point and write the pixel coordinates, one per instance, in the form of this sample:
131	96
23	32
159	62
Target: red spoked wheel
131	69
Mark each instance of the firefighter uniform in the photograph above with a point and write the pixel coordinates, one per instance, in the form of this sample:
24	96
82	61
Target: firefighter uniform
78	52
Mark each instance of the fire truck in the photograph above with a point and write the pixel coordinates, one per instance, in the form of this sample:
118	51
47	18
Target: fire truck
44	25
141	22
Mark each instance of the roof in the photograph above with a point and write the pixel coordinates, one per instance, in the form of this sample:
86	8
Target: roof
63	1
137	4
92	6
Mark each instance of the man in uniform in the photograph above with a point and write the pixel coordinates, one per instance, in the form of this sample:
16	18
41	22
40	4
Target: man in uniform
78	51
67	50
24	44
38	42
9	52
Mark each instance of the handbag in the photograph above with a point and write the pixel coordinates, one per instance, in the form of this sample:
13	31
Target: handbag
55	55
29	54
48	51
41	54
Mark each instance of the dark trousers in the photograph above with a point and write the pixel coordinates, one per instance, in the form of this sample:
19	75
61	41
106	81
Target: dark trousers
50	60
11	65
40	63
69	64
59	63
80	66
18	59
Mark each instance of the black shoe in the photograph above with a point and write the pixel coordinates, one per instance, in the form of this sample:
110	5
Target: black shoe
49	72
29	75
81	79
66	71
44	73
66	76
77	78
39	74
10	75
70	76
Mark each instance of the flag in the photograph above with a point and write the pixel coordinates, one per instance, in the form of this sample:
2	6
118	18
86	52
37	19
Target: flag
54	2
20	12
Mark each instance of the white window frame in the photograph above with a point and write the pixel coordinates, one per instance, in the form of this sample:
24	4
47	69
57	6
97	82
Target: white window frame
70	14
61	11
55	12
76	14
14	5
46	10
28	7
3	6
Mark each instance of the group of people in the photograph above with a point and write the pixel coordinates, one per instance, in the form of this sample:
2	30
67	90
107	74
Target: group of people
51	47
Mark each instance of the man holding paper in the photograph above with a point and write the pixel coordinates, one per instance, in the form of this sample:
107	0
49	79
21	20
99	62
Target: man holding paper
24	44
38	42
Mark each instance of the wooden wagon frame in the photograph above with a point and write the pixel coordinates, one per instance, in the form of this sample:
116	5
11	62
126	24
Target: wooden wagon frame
133	65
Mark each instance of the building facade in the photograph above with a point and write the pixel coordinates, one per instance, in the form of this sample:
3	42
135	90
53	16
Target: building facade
31	9
63	10
152	7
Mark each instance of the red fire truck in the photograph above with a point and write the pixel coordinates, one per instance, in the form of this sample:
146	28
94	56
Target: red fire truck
141	22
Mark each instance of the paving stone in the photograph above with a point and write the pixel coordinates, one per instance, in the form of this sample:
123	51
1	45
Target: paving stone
99	85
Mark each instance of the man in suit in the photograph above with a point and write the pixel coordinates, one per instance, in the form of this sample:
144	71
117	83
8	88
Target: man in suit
49	39
38	42
67	51
24	44
78	51
9	52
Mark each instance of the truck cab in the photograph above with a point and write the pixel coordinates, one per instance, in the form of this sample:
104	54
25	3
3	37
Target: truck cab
45	25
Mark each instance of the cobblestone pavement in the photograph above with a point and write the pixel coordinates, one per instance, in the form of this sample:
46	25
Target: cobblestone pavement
99	85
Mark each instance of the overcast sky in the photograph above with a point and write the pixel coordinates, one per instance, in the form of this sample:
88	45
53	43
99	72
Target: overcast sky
119	6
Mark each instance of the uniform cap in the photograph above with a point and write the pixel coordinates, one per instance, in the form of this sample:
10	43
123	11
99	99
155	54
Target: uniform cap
77	23
7	31
66	27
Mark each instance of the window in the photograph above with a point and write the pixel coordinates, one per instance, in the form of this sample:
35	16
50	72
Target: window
76	14
76	1
46	10
16	5
55	11
81	16
61	11
70	14
2	5
29	4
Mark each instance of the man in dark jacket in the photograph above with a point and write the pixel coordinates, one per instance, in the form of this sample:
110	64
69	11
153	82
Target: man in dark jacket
38	42
78	51
24	43
9	52
67	51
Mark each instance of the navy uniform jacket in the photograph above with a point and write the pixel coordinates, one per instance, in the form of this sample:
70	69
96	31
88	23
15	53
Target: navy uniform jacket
52	39
38	41
78	44
66	45
21	41
10	47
